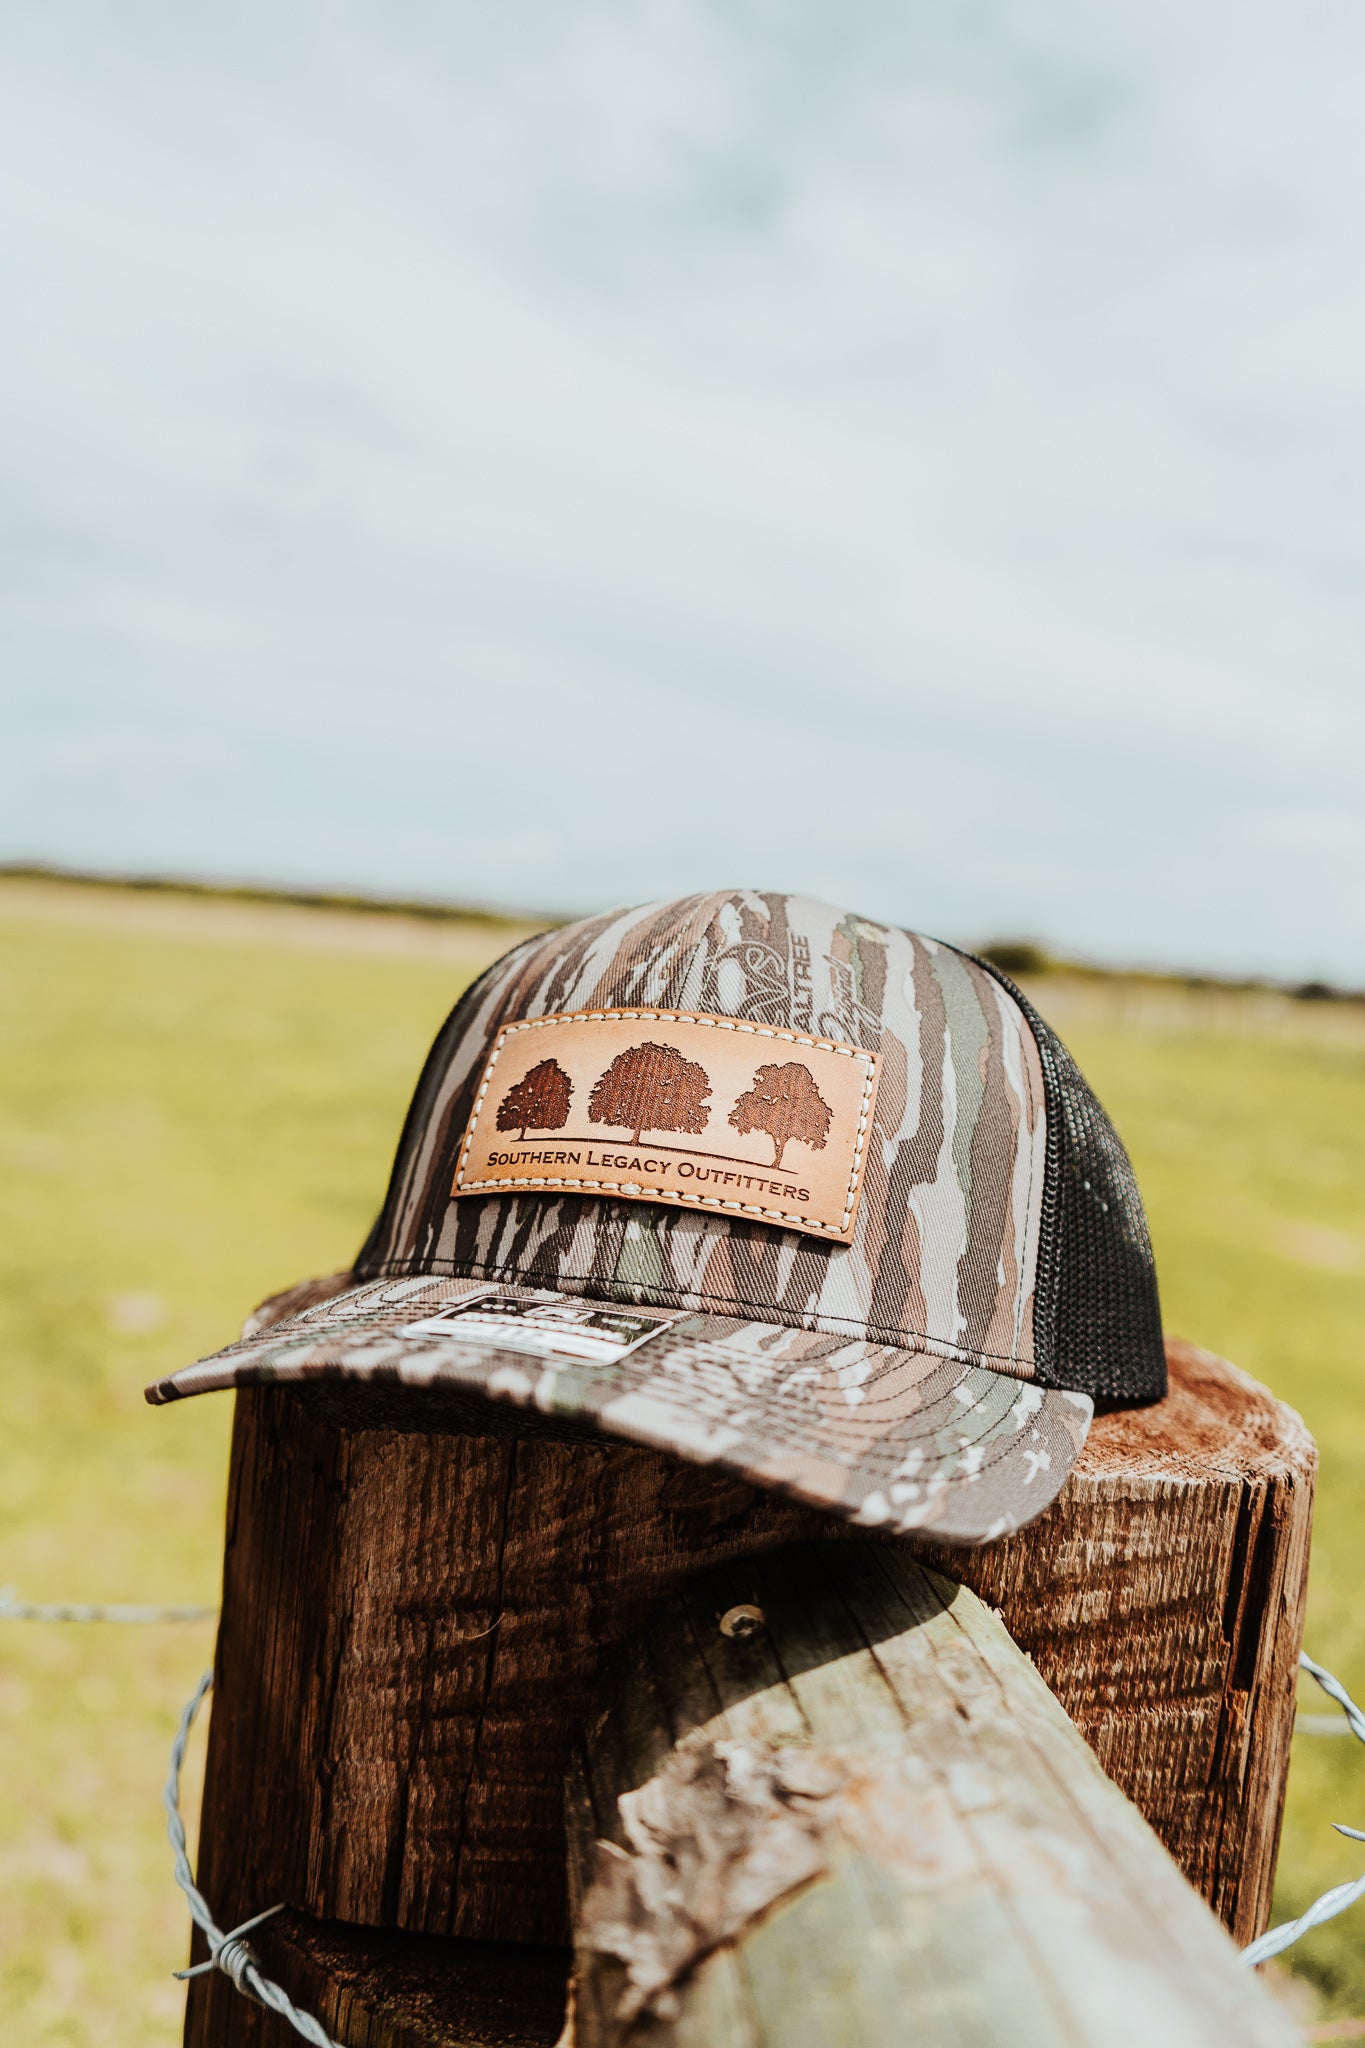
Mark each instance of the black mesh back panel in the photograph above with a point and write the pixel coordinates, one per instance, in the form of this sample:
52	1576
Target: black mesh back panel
1097	1315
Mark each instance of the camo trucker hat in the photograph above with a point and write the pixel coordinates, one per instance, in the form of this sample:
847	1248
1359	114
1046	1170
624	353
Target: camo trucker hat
765	1185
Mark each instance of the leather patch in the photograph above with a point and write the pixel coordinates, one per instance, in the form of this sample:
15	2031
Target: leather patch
668	1106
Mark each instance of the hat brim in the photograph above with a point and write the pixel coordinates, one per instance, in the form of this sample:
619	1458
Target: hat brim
901	1438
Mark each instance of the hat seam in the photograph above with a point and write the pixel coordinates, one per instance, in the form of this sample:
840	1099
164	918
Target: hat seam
966	1442
760	1312
1048	1258
685	1199
920	1436
1007	1445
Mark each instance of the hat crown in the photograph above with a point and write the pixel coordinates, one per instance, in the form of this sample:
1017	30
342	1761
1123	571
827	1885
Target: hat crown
990	1234
946	1239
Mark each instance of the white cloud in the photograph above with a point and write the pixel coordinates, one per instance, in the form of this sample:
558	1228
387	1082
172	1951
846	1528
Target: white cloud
564	455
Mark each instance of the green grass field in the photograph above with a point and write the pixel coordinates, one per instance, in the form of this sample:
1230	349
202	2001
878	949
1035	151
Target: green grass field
199	1103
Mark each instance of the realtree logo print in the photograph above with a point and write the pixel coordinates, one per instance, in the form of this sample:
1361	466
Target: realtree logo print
785	1102
651	1088
539	1102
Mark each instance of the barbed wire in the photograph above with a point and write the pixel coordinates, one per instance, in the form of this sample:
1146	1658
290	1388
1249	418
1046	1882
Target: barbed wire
231	1953
234	1956
1330	1903
12	1608
1335	1690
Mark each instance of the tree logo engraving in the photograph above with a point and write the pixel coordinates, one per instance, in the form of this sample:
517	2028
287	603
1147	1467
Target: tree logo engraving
785	1102
538	1102
651	1088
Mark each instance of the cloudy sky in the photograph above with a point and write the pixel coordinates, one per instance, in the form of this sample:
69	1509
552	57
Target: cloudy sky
558	455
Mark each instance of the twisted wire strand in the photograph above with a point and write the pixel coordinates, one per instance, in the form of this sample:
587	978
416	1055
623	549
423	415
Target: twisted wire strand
1330	1903
231	1953
14	1609
1335	1690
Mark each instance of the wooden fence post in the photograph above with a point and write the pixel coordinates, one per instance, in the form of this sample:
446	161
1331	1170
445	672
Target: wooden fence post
1162	1598
869	1820
414	1617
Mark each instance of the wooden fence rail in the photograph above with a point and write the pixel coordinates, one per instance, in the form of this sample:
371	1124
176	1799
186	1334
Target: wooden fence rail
418	1627
870	1820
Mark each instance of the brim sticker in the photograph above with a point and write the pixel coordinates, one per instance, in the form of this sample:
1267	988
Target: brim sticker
544	1329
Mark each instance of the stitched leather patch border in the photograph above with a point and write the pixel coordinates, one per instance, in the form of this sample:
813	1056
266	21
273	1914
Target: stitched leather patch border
673	1106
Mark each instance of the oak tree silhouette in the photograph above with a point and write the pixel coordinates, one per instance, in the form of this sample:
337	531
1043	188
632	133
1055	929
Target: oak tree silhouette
785	1102
539	1101
651	1088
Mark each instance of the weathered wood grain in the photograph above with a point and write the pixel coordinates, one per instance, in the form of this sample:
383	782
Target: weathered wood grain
411	1621
1162	1599
413	1617
871	1821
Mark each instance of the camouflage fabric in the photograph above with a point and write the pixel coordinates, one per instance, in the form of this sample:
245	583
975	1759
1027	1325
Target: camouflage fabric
890	1438
946	1240
880	1377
